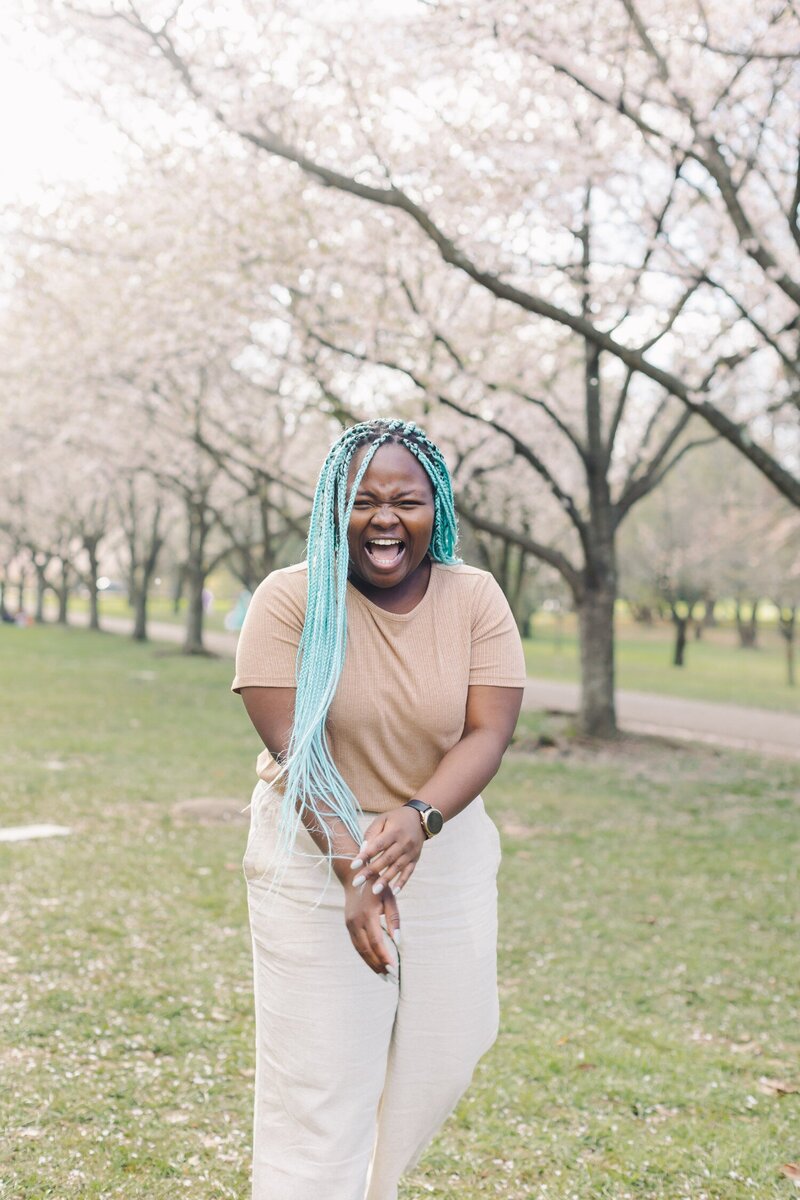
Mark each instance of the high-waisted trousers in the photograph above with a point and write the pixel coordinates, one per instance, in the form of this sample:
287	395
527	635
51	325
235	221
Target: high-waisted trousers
355	1073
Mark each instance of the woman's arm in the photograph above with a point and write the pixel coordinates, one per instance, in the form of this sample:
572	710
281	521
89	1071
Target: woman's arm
461	775
465	770
271	710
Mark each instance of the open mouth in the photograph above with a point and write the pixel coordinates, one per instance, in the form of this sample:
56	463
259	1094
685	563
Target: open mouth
385	553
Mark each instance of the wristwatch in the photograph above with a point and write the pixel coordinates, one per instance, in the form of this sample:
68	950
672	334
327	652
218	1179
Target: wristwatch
430	817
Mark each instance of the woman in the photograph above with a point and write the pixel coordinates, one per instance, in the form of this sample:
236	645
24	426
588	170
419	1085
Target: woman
385	679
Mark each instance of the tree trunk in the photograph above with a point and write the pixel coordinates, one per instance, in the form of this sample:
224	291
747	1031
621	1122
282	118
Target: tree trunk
177	590
41	591
681	624
747	626
142	574
90	546
139	599
195	574
787	624
62	592
193	643
709	615
597	717
790	662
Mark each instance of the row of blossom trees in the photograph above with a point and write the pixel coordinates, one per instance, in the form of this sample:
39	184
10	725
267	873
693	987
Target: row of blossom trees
568	238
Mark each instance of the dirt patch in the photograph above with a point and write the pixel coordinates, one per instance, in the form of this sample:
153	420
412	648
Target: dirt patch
628	752
210	810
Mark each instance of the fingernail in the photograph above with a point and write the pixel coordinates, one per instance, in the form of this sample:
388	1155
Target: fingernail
396	937
396	887
377	888
359	879
362	848
356	863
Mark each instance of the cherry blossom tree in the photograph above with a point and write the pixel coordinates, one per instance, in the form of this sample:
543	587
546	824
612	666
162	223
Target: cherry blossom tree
175	403
578	220
482	128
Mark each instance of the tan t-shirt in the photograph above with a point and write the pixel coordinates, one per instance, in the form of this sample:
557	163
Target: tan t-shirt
401	701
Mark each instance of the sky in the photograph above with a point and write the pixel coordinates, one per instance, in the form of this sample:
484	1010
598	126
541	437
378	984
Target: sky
45	135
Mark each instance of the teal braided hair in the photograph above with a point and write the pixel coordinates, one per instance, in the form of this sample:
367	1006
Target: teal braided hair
309	772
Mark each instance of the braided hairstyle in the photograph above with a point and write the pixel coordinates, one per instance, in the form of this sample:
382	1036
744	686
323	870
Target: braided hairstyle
309	772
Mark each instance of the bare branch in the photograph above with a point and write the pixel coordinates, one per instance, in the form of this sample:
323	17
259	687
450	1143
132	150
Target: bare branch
520	448
548	554
613	427
650	482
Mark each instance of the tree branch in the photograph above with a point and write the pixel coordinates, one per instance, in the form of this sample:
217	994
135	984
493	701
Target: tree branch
393	197
635	488
654	479
548	554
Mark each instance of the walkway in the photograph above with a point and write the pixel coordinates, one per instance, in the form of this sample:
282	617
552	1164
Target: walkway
730	725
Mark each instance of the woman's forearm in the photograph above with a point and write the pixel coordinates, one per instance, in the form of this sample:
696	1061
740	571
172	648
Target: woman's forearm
464	771
334	839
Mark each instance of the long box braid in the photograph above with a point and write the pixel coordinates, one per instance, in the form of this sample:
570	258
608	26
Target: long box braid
309	772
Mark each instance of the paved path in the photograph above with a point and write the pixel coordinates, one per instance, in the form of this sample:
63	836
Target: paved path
730	725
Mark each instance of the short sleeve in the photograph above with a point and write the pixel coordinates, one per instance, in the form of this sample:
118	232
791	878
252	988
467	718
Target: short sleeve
266	653
496	655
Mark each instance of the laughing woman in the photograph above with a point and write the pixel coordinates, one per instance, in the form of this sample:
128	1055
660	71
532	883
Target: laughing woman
385	678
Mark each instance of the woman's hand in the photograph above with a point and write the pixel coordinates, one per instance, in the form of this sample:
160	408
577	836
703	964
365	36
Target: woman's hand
362	913
389	852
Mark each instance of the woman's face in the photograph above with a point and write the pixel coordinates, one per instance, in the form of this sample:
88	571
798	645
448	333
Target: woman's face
392	519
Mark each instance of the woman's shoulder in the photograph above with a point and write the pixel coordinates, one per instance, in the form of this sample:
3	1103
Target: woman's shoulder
291	578
462	583
463	576
286	584
472	588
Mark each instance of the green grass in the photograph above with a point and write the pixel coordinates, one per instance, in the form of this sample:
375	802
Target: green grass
159	608
649	931
716	668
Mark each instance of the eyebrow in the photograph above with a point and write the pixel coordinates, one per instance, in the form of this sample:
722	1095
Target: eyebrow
397	495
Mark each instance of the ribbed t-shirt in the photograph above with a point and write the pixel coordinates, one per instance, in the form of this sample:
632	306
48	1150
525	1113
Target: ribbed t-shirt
401	700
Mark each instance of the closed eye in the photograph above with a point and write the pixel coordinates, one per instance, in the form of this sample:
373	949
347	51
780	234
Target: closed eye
361	503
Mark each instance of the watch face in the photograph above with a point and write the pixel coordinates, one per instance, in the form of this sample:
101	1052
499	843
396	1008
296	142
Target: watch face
434	820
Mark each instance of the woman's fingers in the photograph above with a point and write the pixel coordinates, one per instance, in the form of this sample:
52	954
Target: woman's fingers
372	848
376	876
368	936
372	837
400	878
363	945
387	862
391	915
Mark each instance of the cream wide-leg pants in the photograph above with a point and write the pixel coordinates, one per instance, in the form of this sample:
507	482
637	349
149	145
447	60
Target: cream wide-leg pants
356	1073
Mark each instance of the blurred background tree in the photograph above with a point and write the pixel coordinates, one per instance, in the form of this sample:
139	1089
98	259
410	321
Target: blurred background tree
566	240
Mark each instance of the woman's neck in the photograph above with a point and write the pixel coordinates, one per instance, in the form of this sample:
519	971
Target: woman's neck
402	598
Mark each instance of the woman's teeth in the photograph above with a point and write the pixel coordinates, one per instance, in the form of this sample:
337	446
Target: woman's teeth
384	551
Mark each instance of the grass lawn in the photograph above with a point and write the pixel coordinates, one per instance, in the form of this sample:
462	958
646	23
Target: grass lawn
649	926
159	608
716	668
